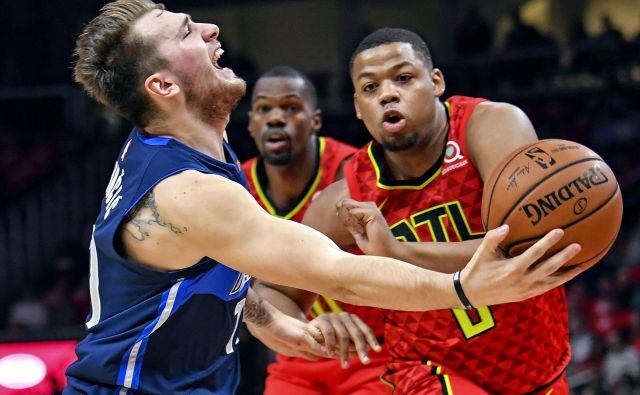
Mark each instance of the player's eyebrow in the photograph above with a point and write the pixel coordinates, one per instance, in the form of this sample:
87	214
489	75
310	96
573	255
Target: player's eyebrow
368	74
289	96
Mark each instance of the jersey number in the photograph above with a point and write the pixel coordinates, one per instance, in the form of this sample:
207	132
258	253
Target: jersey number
94	281
237	313
472	322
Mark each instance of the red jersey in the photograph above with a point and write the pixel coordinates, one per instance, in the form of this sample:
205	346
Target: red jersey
331	154
506	349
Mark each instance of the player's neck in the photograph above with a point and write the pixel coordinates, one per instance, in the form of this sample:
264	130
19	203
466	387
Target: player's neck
205	137
413	163
287	183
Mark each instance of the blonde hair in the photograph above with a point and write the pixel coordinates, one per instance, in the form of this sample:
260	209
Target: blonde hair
112	64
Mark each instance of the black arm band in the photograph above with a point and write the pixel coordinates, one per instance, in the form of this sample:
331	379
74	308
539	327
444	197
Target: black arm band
463	298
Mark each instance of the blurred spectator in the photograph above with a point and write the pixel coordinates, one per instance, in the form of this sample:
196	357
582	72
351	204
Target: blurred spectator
472	33
27	312
523	36
610	36
621	365
606	315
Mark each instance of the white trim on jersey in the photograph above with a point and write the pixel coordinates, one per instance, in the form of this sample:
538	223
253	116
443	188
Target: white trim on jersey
166	312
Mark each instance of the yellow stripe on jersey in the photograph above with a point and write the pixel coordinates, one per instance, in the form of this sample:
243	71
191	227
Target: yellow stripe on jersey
387	382
265	200
464	218
335	308
317	309
388	187
443	378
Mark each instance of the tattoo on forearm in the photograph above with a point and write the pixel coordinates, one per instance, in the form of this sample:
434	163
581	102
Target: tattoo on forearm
256	312
145	214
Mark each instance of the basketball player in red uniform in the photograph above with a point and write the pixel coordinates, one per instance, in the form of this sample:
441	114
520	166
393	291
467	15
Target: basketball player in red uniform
293	166
424	172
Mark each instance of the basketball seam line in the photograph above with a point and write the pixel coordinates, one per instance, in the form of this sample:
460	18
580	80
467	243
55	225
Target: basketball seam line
595	210
526	193
495	183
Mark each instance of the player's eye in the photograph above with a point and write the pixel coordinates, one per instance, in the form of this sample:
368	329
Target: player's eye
263	109
188	32
404	77
369	87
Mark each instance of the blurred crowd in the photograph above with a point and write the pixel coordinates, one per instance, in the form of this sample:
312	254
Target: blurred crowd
586	90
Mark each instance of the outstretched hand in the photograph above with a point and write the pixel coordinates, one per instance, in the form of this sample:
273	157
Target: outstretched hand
292	337
346	336
368	227
490	278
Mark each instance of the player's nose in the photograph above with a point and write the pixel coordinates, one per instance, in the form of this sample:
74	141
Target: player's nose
210	32
388	93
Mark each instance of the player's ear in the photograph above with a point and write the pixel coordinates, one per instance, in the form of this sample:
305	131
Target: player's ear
161	85
357	107
316	120
438	82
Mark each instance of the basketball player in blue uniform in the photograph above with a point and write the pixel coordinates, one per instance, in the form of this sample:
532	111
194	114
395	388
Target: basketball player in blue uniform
178	235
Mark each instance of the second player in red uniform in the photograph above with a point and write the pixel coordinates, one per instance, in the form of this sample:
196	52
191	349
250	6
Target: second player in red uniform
294	165
424	173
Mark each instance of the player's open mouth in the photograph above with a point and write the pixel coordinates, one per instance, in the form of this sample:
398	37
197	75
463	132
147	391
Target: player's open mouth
215	56
393	121
275	140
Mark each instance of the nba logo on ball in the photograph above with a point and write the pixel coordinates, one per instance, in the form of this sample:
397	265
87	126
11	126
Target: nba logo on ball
554	184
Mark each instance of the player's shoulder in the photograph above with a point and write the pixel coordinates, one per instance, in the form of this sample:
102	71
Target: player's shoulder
192	183
331	141
493	111
331	195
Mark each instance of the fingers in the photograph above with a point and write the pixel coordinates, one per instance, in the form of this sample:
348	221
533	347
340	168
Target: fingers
347	333
368	333
343	339
356	335
314	348
328	333
349	204
537	250
552	264
491	240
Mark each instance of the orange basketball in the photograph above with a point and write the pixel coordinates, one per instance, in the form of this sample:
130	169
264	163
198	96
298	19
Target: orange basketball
554	184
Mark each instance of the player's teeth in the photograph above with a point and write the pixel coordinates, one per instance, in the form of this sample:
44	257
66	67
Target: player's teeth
217	53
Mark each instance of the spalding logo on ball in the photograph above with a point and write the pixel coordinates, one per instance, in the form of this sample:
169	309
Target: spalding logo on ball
554	184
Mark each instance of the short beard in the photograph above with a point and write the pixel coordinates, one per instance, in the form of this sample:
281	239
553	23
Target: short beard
276	158
400	144
215	105
280	159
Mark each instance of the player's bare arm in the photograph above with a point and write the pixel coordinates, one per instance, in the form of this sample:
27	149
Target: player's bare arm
433	256
489	123
344	335
367	225
281	332
235	230
321	214
495	130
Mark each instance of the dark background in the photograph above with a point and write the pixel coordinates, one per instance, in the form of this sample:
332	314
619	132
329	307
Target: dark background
573	66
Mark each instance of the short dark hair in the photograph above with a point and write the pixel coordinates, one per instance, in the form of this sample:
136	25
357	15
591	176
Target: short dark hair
290	72
387	35
111	63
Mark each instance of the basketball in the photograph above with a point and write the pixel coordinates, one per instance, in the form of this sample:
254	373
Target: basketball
554	184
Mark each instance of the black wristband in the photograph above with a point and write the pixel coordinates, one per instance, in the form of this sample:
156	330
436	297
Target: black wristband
463	298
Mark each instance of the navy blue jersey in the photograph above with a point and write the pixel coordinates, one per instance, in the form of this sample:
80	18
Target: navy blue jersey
152	331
